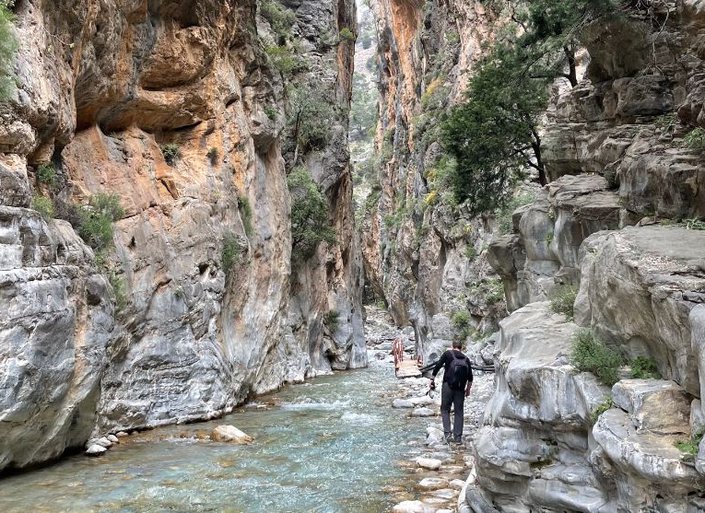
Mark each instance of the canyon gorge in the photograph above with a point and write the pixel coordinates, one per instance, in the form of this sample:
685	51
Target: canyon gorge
196	199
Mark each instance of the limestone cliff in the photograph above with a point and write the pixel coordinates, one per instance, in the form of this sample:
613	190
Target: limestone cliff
423	255
176	108
620	223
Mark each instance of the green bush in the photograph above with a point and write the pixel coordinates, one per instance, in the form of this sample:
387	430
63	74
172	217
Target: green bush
286	60
171	152
119	291
695	139
694	224
310	223
96	223
460	319
43	205
245	208
563	299
346	35
644	368
46	174
231	252
310	119
470	252
271	112
8	47
213	155
280	18
332	321
589	354
690	447
600	409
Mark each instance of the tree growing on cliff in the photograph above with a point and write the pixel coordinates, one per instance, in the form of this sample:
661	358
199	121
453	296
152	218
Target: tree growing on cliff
494	135
310	224
8	47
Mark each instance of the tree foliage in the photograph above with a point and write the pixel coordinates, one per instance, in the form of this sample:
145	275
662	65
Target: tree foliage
8	47
494	135
310	223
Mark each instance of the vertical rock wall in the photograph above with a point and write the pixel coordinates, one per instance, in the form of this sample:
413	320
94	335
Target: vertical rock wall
159	330
423	255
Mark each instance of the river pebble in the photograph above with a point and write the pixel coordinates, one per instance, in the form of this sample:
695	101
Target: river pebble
96	450
429	463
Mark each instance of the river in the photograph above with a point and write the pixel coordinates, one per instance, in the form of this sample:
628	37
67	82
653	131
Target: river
331	445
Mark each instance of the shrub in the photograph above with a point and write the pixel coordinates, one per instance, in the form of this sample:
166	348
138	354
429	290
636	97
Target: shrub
310	223
271	112
285	59
563	299
119	291
332	321
690	447
97	221
231	252
171	152
280	19
694	224
470	252
213	155
245	208
460	319
46	174
310	119
644	368
346	35
43	205
695	139
600	409
8	47
589	354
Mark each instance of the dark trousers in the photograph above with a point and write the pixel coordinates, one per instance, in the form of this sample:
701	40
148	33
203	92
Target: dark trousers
457	399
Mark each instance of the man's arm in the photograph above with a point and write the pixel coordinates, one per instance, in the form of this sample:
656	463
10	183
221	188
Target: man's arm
440	364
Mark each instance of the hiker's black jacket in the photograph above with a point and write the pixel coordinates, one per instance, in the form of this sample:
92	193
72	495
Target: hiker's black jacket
445	360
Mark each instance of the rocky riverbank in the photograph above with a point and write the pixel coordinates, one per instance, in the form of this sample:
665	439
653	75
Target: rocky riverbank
436	472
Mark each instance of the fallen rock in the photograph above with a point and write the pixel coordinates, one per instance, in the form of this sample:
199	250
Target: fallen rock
428	463
96	450
433	483
412	507
103	441
231	434
113	439
121	434
423	412
402	403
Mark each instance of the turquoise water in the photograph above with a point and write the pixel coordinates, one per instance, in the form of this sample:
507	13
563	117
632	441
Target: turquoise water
328	446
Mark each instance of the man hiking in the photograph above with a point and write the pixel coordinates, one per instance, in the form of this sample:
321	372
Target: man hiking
457	381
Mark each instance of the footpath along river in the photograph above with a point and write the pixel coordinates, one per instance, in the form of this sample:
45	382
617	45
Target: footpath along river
331	445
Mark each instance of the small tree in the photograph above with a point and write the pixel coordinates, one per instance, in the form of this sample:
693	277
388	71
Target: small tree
310	224
310	118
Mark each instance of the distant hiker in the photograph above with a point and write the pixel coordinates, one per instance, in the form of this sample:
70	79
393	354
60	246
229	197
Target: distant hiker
398	352
457	381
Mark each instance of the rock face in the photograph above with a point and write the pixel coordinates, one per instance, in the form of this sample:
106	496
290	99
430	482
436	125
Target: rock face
176	109
618	222
423	256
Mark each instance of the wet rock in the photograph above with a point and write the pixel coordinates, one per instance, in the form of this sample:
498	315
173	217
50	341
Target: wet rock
413	507
230	434
96	450
402	403
432	483
121	434
104	442
423	412
114	439
429	463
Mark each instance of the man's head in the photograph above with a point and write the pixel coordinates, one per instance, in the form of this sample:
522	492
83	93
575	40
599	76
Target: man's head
457	344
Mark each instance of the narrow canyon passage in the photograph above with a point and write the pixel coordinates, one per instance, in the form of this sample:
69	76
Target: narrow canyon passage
329	445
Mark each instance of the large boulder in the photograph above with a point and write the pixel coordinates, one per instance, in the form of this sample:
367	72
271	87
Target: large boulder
637	290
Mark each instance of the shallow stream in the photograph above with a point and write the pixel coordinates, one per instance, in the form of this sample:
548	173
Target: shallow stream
331	445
